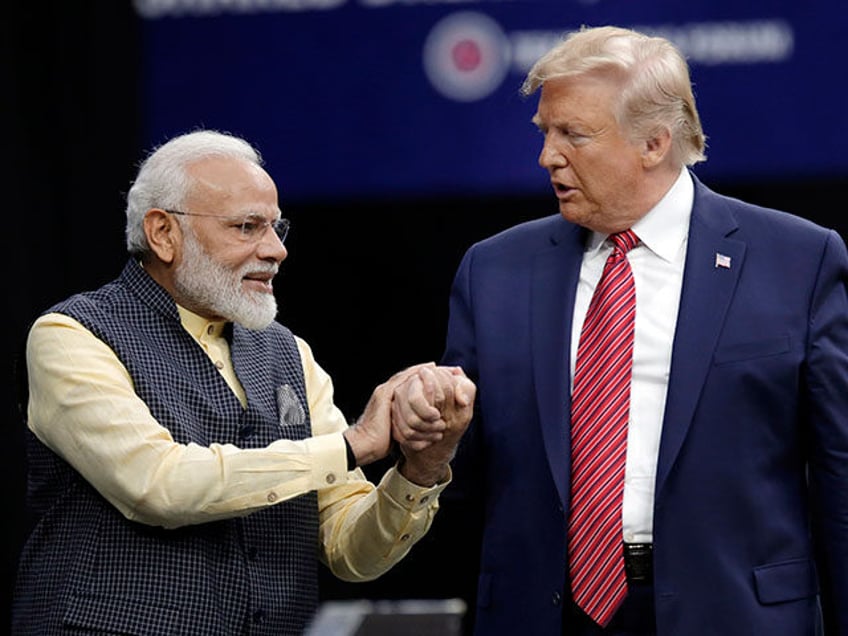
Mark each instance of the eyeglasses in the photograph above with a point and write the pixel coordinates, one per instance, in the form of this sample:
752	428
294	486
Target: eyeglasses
252	226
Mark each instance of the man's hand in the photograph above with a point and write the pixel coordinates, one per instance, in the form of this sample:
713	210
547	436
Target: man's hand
430	412
370	437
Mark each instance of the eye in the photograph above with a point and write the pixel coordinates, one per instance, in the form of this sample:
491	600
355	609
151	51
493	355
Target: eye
574	137
252	227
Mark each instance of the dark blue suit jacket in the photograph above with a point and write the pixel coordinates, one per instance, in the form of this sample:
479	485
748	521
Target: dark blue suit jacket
751	504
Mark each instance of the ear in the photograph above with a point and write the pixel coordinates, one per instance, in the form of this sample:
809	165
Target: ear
656	148
163	234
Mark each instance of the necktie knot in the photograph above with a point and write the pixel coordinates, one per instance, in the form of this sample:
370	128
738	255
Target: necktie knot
623	242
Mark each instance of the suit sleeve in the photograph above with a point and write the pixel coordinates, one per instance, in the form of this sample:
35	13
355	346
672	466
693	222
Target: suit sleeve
826	380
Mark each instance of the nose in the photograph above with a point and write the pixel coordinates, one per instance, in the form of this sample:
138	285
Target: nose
550	157
271	247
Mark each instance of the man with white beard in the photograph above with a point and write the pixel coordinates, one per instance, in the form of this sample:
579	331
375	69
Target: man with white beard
187	462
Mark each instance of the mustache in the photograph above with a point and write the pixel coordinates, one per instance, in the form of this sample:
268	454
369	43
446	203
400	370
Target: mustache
259	268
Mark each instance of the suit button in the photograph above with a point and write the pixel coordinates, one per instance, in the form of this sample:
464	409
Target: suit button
246	431
556	599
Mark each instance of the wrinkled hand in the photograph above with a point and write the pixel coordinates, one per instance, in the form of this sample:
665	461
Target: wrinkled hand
370	437
430	411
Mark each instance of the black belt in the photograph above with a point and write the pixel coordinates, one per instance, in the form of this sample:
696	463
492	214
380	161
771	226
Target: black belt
639	563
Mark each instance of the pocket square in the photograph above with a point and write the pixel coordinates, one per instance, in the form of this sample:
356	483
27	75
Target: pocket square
289	408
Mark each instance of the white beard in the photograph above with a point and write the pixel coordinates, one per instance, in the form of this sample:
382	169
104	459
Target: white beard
206	283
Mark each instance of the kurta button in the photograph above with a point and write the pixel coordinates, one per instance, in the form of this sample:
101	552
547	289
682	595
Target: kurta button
405	537
556	599
425	499
410	498
272	497
219	364
210	330
331	478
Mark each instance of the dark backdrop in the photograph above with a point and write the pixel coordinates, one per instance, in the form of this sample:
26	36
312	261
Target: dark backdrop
366	281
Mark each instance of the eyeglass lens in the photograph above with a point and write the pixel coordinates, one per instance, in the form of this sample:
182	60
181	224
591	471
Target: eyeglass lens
254	229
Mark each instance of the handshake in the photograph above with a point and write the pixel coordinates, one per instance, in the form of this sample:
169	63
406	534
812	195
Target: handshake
425	409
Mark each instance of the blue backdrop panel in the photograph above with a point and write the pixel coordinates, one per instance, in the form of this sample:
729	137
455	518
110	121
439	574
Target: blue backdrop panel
361	98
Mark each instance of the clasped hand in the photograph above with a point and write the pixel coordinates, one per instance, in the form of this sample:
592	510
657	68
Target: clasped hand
425	409
430	412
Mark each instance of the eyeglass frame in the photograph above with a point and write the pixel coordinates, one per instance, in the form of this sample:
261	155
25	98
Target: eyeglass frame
280	226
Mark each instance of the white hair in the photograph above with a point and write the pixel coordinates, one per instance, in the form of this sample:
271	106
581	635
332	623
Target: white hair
163	181
656	92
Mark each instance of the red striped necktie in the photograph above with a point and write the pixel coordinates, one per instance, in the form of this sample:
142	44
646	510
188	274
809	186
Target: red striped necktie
600	409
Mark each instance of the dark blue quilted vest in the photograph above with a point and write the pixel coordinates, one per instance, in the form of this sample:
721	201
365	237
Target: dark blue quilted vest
86	567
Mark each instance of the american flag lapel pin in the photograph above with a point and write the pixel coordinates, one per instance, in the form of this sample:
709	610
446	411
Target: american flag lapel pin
722	260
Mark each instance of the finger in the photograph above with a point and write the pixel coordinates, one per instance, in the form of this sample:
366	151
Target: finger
427	439
427	384
409	423
444	385
412	427
414	401
417	446
465	391
402	376
405	435
408	372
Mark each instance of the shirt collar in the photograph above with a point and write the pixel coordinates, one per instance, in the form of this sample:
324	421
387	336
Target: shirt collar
198	326
664	228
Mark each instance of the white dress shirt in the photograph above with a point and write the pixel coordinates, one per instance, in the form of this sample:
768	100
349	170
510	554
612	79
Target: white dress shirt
657	265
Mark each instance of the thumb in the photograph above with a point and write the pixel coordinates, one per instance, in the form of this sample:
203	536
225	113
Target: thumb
465	392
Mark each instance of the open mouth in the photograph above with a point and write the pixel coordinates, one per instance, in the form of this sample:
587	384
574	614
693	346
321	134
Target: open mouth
561	189
259	281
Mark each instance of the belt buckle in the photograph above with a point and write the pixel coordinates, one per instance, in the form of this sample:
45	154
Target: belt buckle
639	562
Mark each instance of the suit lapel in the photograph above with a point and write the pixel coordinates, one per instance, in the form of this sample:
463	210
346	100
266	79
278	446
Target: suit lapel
555	274
709	281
